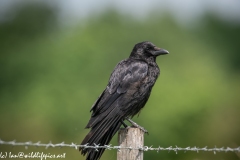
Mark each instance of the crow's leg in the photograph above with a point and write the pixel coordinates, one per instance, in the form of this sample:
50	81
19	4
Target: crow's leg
124	124
137	126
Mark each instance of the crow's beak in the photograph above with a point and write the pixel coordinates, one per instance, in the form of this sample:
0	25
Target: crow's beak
159	51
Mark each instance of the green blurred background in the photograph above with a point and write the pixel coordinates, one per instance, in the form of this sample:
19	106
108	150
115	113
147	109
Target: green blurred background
52	72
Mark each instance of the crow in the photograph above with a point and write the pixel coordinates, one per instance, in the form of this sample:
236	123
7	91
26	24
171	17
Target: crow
127	92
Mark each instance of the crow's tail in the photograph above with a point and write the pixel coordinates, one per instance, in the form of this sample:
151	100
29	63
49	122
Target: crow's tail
100	134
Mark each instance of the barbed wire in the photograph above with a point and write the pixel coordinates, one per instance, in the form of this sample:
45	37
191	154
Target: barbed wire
109	147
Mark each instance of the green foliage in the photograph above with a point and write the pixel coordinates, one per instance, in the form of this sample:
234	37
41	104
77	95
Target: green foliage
48	83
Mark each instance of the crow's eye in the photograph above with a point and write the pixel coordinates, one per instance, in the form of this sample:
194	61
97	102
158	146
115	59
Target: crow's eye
148	48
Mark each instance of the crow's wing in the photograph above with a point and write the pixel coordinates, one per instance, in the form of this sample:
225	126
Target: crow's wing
127	75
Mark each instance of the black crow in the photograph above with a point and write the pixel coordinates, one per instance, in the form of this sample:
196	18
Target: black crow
127	92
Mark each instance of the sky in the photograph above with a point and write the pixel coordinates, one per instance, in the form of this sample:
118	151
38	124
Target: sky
184	10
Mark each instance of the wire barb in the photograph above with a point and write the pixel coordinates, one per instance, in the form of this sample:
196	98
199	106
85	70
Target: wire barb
176	149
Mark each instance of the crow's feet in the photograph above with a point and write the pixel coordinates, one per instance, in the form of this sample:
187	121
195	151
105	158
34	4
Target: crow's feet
137	126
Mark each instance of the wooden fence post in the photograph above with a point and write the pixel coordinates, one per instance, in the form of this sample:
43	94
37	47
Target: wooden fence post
130	137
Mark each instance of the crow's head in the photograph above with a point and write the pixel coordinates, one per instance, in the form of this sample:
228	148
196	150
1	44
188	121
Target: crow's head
147	49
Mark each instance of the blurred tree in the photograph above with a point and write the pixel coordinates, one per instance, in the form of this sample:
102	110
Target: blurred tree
26	23
222	35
